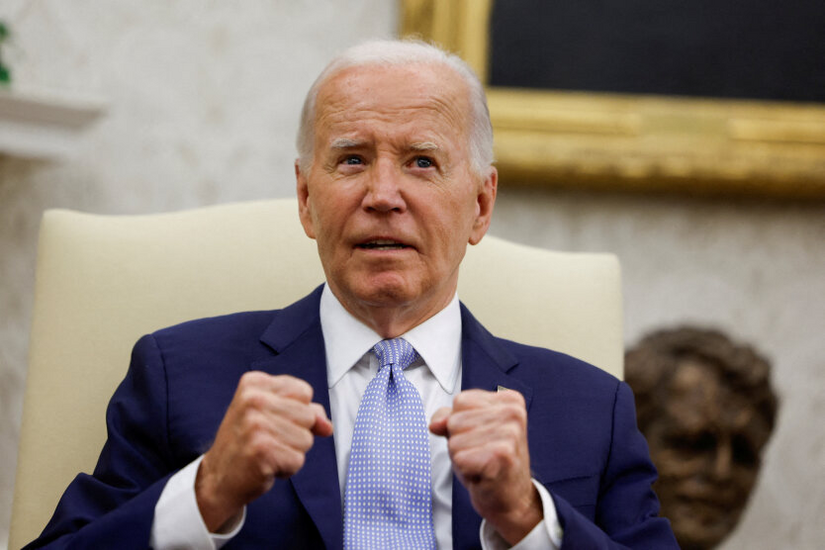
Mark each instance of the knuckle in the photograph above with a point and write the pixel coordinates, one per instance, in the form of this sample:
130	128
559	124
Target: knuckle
469	464
259	449
462	400
254	423
516	413
514	397
304	440
298	461
460	460
511	410
252	398
251	379
295	388
454	425
454	447
512	433
469	398
306	415
290	463
503	450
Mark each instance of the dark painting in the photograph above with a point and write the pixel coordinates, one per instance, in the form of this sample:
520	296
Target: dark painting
761	49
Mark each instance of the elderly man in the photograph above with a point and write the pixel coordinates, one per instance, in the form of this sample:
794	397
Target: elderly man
443	435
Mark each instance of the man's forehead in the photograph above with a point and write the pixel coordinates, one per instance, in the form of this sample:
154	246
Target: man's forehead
418	85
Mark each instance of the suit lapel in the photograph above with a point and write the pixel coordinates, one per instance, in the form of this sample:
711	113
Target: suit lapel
485	365
295	335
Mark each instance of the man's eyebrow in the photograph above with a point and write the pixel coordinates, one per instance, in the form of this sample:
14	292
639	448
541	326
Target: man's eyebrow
346	143
424	146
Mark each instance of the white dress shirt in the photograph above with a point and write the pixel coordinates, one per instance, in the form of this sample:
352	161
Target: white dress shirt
350	367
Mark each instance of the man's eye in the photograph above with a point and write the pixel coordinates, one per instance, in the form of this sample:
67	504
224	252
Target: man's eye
352	160
423	162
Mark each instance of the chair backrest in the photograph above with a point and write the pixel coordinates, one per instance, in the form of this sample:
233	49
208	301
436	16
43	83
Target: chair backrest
103	281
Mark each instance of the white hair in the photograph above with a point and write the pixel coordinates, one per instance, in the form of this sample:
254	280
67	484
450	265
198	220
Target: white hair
388	53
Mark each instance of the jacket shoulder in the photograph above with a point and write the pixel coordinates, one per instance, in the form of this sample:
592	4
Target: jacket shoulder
537	363
220	326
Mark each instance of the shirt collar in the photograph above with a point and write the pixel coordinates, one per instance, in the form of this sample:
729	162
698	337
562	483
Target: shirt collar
346	339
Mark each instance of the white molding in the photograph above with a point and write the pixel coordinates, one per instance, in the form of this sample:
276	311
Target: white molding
44	124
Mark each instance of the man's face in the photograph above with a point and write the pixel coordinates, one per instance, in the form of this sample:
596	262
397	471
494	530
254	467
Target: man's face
390	196
706	446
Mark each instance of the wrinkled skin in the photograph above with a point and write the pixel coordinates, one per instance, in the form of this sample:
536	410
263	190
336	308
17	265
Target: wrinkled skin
391	167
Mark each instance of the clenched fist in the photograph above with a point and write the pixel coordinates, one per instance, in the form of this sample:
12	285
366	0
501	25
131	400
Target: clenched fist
265	434
487	440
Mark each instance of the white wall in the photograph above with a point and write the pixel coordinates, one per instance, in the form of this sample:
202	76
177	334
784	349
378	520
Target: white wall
204	99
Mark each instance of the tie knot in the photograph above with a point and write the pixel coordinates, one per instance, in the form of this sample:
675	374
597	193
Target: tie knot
395	352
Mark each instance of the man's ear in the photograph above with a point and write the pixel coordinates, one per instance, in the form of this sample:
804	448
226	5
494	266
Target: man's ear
485	200
304	207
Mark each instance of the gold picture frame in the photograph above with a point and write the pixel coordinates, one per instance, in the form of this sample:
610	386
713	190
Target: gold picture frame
633	142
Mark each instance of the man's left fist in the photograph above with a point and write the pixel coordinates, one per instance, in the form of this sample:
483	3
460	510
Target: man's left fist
487	440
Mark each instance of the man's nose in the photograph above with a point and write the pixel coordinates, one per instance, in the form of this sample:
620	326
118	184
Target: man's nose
384	191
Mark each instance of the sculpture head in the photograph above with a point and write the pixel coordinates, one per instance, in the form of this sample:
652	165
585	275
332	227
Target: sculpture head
707	409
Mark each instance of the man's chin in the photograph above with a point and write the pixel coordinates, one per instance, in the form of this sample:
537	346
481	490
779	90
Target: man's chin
384	295
365	294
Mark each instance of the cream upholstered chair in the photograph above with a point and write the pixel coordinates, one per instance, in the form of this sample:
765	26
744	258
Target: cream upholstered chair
103	281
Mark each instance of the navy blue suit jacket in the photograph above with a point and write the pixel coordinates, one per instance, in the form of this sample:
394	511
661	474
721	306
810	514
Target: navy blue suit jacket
584	445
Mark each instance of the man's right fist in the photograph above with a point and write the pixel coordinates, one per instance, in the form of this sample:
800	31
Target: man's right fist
265	434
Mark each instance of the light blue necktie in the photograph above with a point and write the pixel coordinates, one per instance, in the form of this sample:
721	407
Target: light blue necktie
387	501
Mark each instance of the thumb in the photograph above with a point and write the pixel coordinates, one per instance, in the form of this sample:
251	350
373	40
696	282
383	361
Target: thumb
438	423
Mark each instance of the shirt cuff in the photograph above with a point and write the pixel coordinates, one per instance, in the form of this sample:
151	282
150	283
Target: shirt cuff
178	523
546	535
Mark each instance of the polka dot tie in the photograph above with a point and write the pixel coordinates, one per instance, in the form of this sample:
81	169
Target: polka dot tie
387	501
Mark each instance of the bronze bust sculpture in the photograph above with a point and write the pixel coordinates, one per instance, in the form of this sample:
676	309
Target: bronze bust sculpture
707	409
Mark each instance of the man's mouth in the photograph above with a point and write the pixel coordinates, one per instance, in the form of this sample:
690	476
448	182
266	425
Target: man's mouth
382	244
